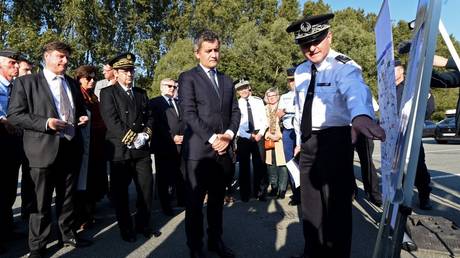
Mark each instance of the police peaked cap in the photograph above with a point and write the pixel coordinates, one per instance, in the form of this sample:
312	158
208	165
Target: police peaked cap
10	54
311	28
290	72
125	60
241	83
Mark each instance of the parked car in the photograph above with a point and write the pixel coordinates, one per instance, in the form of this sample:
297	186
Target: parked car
445	131
428	128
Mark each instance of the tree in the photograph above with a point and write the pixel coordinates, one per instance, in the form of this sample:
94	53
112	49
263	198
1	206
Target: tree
315	8
178	59
289	10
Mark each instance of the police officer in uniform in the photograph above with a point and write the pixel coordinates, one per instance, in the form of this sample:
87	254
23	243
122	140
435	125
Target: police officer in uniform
126	113
11	152
253	125
286	112
330	95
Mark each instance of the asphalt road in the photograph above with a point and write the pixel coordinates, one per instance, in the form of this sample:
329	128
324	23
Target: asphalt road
262	229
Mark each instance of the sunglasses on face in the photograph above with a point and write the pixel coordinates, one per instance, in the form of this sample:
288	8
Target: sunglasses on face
170	86
313	43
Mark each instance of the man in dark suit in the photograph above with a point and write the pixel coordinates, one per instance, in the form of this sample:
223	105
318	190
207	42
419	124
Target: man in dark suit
125	112
49	107
212	116
168	133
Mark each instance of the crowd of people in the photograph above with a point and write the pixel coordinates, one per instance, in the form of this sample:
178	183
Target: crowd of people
85	139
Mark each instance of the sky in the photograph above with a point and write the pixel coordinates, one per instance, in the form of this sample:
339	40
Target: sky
403	10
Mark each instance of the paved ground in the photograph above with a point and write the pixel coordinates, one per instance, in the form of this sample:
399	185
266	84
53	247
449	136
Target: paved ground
269	229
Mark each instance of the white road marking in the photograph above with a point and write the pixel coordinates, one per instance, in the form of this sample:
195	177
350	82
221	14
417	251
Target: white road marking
444	176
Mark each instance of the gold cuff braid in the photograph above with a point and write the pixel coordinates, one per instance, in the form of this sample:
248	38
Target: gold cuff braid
129	137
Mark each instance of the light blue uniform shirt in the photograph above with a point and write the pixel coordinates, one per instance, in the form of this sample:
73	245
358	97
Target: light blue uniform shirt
340	93
5	89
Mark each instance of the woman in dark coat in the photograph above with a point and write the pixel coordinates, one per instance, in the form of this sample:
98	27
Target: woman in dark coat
92	180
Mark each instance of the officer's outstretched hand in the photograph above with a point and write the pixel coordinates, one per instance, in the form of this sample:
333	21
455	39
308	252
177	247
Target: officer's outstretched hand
363	124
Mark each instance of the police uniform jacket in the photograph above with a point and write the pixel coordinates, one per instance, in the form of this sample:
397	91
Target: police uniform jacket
120	114
340	93
258	114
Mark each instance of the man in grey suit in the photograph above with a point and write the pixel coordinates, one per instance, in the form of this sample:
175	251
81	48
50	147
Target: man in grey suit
212	117
49	107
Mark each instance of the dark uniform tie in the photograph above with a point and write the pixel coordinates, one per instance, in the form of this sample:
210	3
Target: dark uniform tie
305	125
250	117
130	94
212	76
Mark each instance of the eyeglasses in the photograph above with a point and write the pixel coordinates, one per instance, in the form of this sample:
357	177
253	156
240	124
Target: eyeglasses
170	86
271	96
313	43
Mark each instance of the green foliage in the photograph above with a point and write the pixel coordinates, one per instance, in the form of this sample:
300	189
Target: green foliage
315	8
180	58
255	44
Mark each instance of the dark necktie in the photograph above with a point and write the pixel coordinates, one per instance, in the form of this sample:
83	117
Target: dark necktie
64	103
250	117
305	125
130	94
212	76
8	93
172	106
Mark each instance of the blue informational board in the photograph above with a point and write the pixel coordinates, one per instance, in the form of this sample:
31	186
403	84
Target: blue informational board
409	134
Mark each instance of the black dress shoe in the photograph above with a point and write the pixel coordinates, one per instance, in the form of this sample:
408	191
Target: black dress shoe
262	198
409	246
273	192
37	253
148	233
77	242
282	195
128	236
425	205
221	250
197	254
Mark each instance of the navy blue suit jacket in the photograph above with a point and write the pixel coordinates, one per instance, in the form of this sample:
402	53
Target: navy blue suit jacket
205	112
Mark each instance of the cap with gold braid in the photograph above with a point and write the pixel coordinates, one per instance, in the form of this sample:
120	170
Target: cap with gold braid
122	61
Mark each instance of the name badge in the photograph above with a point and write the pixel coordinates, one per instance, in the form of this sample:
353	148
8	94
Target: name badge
323	84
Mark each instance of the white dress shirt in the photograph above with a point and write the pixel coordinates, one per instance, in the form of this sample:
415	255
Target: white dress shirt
258	114
54	85
340	93
286	103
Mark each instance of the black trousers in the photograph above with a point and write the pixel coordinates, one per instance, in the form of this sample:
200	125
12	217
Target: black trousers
422	177
27	191
364	147
205	176
168	175
326	186
245	149
8	188
122	173
60	176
